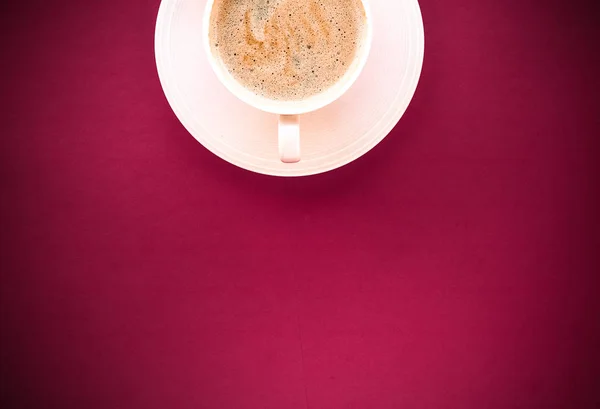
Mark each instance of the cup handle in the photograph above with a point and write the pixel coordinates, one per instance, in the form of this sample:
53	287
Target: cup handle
289	138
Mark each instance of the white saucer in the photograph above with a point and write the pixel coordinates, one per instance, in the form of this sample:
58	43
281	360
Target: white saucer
331	137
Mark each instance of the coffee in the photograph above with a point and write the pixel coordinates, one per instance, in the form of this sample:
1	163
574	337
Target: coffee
287	49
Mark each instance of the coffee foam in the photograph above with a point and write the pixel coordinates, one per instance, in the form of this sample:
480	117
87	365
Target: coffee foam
287	49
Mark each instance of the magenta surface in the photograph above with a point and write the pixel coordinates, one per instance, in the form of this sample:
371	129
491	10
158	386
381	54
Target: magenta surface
454	266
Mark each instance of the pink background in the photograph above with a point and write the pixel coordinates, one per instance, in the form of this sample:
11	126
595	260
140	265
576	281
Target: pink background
454	266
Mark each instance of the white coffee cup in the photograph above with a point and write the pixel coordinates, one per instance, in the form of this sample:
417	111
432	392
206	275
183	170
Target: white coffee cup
289	111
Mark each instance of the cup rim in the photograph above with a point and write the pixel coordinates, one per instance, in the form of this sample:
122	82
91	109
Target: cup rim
310	104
